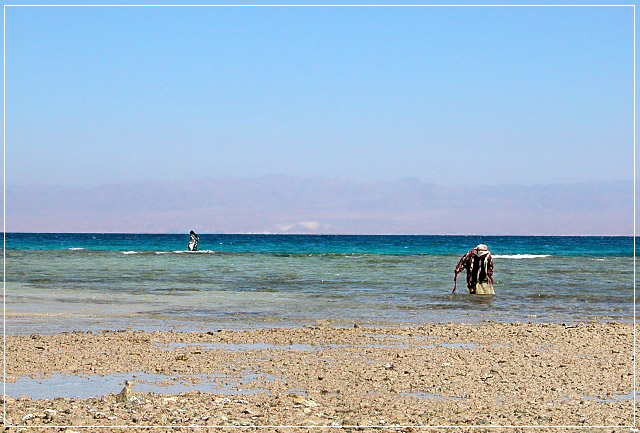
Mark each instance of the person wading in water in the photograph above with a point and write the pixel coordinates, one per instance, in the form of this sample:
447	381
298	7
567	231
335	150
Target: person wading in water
479	265
193	241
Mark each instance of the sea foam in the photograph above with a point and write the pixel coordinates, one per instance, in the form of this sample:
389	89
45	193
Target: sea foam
520	256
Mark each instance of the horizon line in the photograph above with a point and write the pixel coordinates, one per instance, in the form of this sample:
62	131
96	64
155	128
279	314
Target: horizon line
314	234
321	5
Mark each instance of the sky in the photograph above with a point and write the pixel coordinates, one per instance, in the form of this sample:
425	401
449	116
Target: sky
453	96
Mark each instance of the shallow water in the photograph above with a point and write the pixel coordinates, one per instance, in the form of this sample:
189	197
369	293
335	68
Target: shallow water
74	386
65	282
243	347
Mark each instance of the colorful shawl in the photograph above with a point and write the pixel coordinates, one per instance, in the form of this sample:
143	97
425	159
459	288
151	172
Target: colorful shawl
479	265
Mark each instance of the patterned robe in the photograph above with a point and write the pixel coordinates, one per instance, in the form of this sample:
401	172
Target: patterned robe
479	269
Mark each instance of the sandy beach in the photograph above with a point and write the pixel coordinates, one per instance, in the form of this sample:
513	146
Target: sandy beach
319	375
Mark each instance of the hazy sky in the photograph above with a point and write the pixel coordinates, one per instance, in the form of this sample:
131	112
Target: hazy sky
447	95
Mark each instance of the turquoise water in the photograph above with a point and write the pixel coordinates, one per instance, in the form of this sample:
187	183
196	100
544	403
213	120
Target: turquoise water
64	282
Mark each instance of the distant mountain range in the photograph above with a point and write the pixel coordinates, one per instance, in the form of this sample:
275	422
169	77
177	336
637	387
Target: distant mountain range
289	204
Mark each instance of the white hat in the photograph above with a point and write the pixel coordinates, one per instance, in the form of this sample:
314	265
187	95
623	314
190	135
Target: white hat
482	250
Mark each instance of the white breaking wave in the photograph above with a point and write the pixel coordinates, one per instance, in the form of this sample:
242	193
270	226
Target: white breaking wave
170	252
520	256
77	249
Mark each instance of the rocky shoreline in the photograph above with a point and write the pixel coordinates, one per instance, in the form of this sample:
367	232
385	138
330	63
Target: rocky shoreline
359	378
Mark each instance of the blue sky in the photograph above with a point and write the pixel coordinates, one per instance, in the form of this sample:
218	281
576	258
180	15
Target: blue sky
446	95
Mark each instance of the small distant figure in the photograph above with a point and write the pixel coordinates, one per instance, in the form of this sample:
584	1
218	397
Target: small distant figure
193	242
479	265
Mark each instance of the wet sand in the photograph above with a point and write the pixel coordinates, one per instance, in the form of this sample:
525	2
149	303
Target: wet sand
488	374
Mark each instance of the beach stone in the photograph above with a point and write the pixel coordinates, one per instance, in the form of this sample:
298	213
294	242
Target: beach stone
135	400
322	323
27	417
126	393
297	399
24	398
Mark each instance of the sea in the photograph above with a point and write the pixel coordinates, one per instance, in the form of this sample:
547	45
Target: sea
57	282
